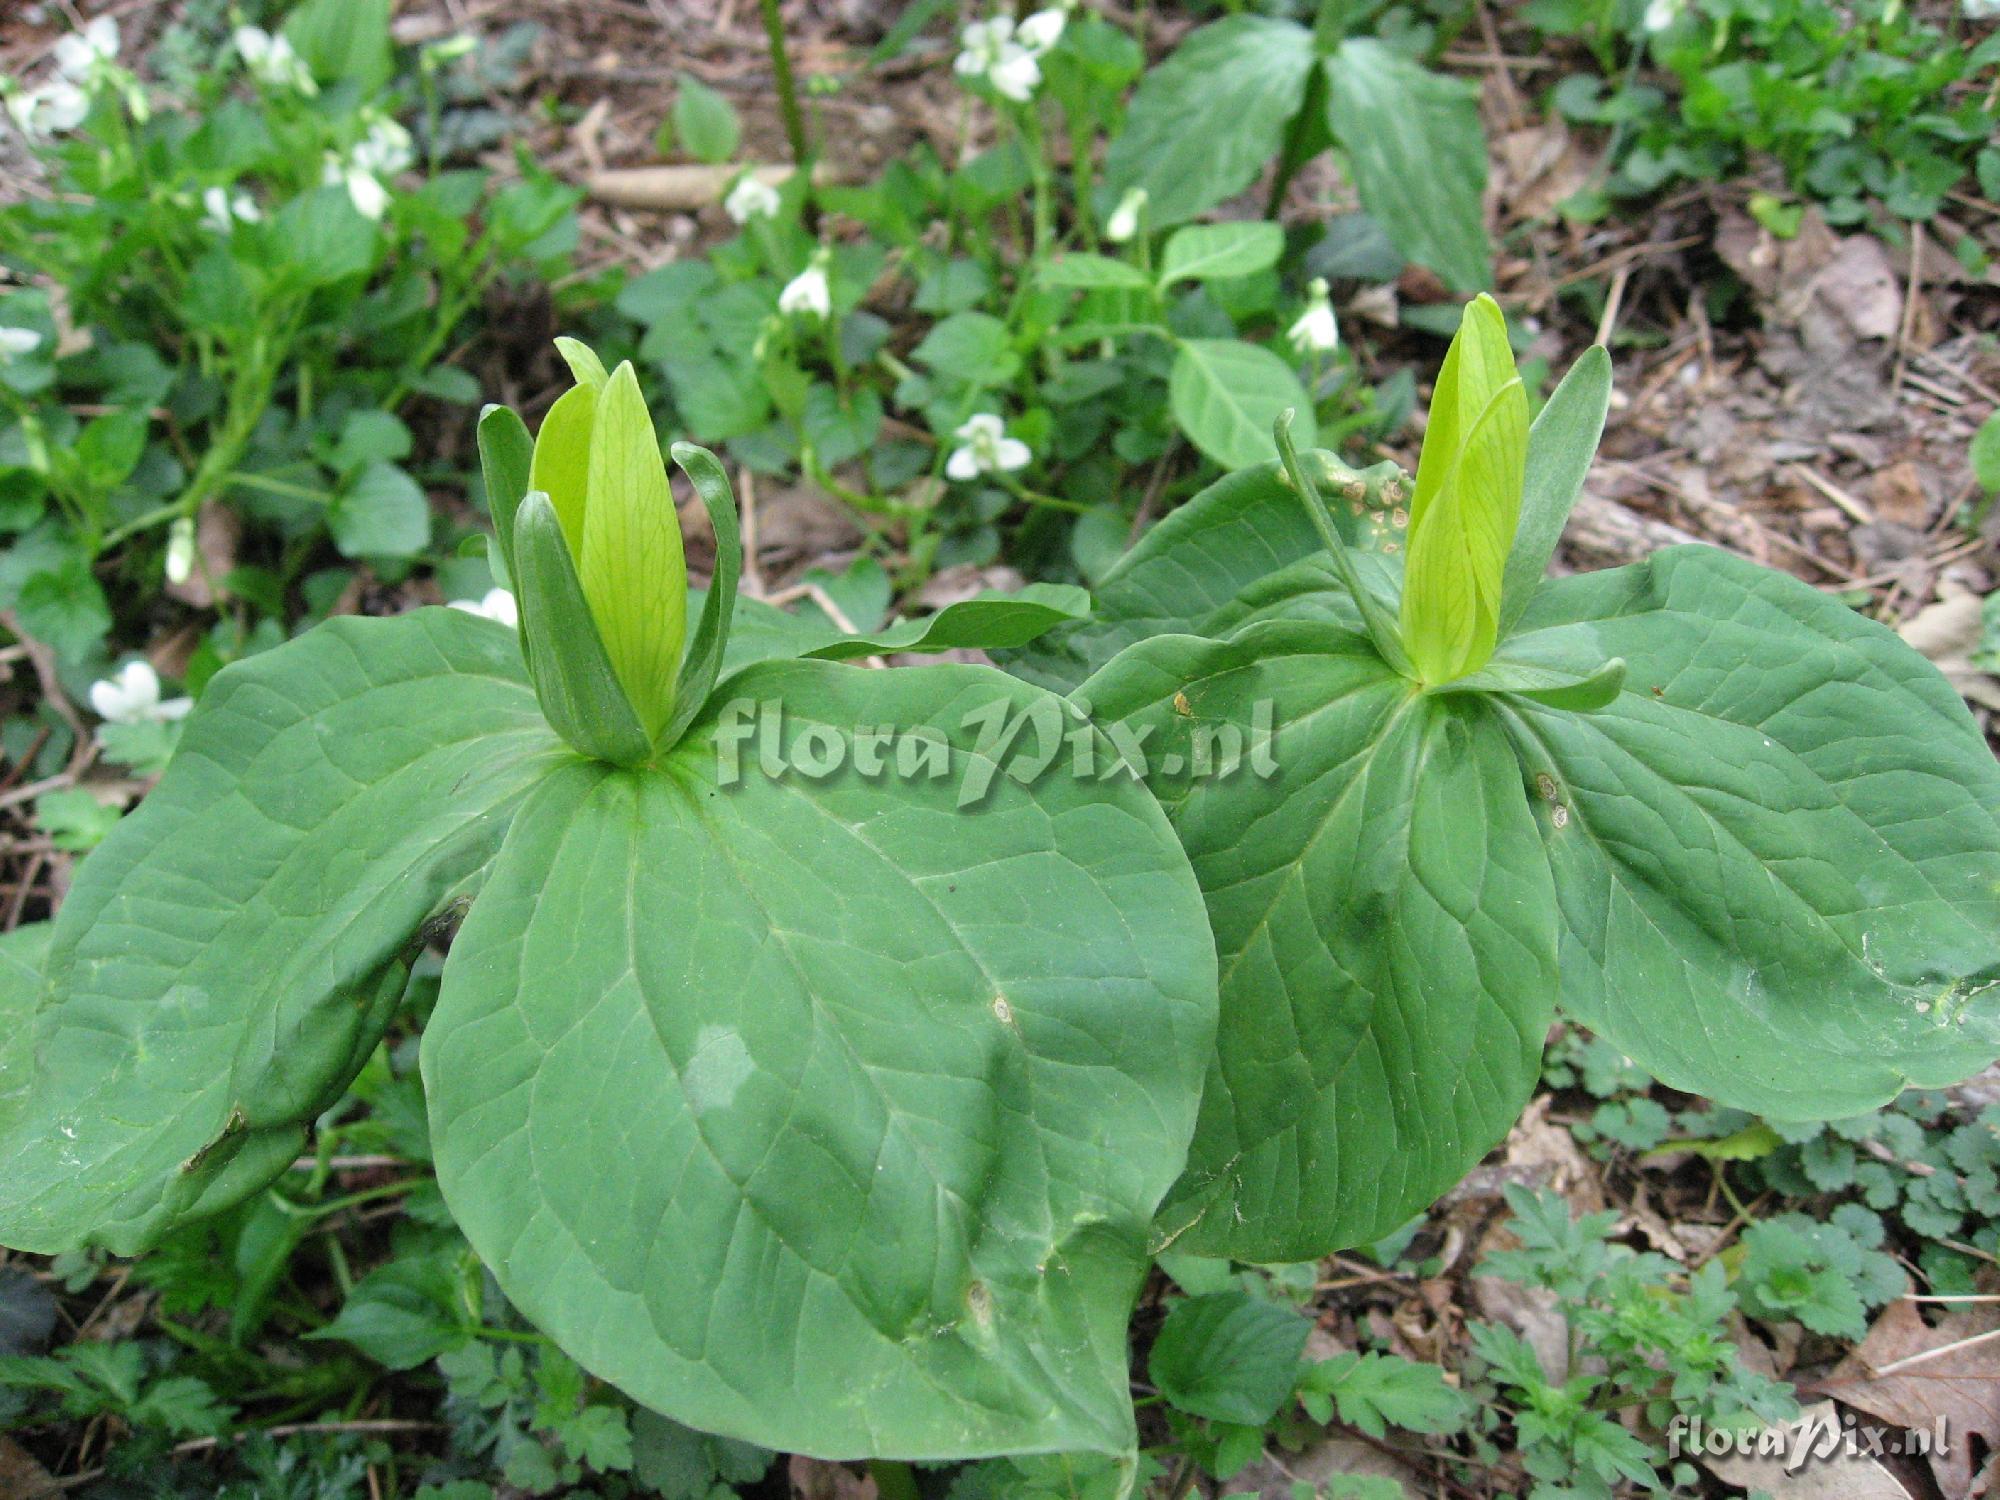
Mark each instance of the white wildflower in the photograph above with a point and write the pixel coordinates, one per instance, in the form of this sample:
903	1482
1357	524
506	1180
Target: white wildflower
985	448
808	292
1660	14
1005	57
85	54
498	604
180	550
751	198
1316	331
132	696
54	109
15	342
272	60
223	210
1041	31
1980	10
1124	220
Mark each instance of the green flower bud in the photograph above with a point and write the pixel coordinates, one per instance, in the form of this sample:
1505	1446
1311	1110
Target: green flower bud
1468	501
597	460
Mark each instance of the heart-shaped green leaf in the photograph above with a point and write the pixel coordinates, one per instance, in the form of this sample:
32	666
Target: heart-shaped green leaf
220	967
1384	920
884	1091
1778	852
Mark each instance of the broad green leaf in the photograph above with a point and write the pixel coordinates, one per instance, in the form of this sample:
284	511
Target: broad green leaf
1553	687
383	513
973	348
1561	444
218	971
704	121
561	465
1225	395
1417	155
1206	121
1177	578
344	41
631	565
22	955
575	682
1467	503
1092	273
1384	919
1228	1356
407	1312
892	1086
1778	852
1215	252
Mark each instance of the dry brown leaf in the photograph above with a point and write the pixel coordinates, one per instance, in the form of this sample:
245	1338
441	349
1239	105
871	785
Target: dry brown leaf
1272	1478
1962	1387
817	1479
21	1478
1836	1477
1948	632
677	187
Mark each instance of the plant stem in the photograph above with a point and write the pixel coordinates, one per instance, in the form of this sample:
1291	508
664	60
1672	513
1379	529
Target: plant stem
788	97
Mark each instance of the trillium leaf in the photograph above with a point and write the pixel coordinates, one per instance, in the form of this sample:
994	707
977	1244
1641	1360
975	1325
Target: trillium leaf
892	1088
579	692
218	970
1778	854
1181	574
23	952
631	564
1383	917
1209	118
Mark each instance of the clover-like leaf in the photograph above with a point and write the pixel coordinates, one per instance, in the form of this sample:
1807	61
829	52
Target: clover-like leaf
227	957
1383	917
880	1093
1777	851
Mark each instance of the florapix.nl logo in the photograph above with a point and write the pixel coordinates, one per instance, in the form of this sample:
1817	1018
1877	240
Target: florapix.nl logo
999	736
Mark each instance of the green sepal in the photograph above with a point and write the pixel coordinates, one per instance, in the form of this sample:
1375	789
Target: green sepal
1552	687
579	693
506	459
1561	444
583	363
561	467
705	653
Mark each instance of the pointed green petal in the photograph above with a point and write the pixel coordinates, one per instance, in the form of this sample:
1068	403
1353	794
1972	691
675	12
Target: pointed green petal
561	469
584	365
632	569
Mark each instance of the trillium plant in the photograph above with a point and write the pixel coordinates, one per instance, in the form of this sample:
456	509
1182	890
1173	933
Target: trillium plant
841	1113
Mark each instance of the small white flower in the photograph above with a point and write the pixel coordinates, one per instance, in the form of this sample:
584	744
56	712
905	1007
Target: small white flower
86	53
980	43
1042	30
1016	75
808	292
1124	220
386	150
1981	10
751	198
986	449
371	199
498	605
1660	14
272	61
14	342
180	549
222	210
450	50
53	109
1316	331
132	696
